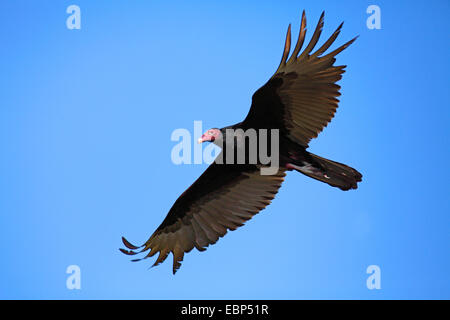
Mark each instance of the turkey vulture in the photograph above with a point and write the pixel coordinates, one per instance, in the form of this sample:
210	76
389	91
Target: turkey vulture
298	100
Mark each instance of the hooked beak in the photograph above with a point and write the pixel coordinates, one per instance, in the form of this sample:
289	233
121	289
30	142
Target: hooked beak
200	140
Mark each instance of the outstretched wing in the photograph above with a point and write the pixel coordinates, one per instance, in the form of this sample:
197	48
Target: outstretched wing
301	97
222	199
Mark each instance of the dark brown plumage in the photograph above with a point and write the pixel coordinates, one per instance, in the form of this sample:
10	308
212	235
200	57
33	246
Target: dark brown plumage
299	100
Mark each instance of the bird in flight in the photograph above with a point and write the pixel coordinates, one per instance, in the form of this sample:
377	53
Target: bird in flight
299	100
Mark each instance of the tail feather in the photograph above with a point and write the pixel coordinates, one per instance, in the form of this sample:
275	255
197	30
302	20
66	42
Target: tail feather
331	172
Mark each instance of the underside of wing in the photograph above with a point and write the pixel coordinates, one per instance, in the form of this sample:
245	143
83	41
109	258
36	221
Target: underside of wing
303	90
222	199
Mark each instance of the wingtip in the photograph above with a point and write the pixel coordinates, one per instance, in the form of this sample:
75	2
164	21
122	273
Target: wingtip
175	267
155	264
322	19
287	45
351	41
129	245
127	252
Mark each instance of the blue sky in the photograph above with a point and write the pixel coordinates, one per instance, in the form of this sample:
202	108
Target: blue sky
85	123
